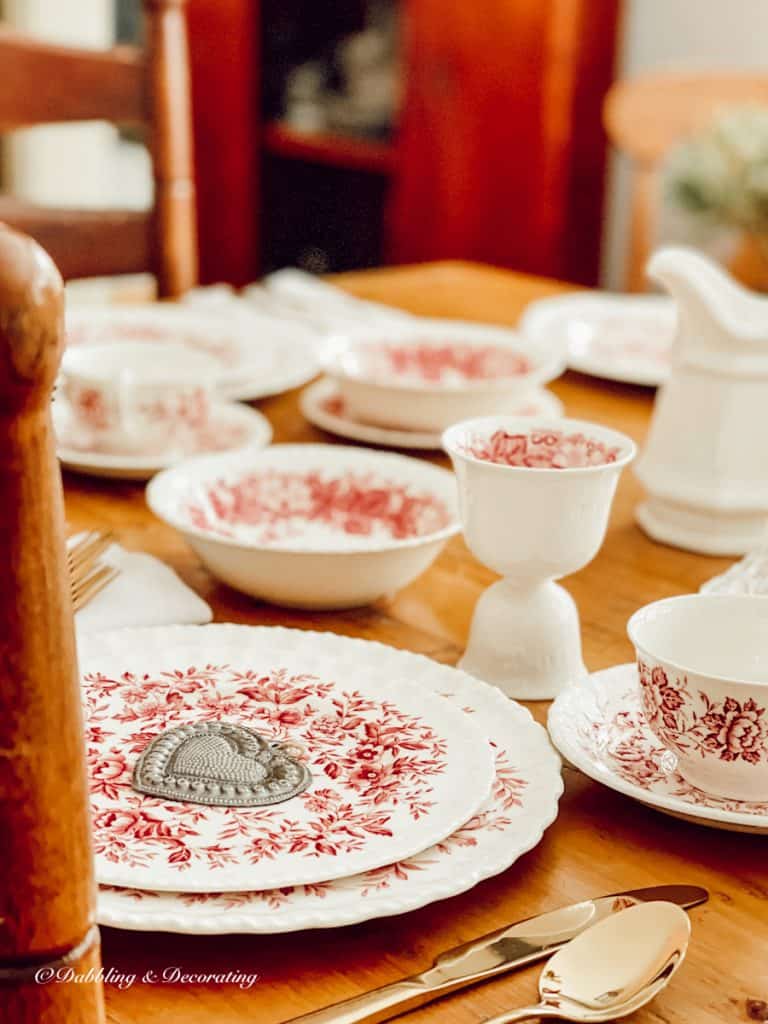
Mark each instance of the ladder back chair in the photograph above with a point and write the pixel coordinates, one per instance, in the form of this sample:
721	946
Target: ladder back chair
645	117
42	83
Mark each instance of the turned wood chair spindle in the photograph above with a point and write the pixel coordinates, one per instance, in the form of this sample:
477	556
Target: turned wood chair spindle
47	891
42	83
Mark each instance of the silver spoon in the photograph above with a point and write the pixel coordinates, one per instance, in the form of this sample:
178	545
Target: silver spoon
613	968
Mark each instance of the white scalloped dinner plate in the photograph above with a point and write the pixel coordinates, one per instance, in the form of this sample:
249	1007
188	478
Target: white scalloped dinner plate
258	355
522	804
599	726
395	769
626	338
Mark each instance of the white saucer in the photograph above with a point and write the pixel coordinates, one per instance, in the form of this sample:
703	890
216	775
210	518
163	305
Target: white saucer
599	726
322	405
233	426
616	337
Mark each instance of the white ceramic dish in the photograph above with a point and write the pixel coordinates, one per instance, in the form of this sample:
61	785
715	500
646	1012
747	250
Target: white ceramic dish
703	675
705	459
535	497
257	355
322	404
600	727
428	374
523	802
311	526
626	338
394	768
232	426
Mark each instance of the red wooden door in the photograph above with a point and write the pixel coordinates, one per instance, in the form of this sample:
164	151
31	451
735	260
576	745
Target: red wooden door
501	150
223	42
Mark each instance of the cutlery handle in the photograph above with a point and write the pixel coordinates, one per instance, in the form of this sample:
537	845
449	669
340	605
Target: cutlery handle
525	1013
372	1007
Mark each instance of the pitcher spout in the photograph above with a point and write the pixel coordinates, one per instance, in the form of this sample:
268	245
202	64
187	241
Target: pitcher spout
713	308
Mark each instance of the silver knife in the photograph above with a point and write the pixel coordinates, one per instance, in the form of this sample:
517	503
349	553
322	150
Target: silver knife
514	946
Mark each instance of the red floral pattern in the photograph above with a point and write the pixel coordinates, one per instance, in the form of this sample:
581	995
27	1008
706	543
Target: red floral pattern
542	449
372	764
730	730
442	363
497	816
275	506
614	731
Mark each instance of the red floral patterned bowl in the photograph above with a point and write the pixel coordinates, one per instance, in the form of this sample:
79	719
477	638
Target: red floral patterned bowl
433	373
310	526
703	671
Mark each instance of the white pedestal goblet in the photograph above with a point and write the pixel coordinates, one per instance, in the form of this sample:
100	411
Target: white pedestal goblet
535	497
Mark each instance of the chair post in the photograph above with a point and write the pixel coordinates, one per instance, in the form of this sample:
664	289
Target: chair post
170	119
47	892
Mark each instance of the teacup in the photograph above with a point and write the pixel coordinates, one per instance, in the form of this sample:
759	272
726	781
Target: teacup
134	397
703	672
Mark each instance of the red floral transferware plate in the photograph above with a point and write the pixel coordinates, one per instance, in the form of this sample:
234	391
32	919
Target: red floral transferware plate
258	355
626	338
395	769
322	404
522	804
600	727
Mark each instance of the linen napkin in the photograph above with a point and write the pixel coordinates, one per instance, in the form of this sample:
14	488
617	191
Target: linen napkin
145	593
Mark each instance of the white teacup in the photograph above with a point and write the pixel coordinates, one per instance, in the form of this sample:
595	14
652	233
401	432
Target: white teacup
703	673
137	397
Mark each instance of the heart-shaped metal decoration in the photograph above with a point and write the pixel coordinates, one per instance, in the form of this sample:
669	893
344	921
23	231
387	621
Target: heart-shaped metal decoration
219	763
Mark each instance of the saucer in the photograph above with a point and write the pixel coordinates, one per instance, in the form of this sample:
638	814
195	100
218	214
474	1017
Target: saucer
625	338
232	426
322	404
599	726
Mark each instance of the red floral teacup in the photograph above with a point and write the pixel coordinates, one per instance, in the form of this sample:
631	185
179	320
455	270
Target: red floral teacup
703	671
134	397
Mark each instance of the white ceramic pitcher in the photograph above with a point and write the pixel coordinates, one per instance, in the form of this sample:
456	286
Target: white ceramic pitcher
705	461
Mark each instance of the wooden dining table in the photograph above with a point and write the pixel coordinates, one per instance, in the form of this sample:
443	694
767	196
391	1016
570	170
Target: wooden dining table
601	842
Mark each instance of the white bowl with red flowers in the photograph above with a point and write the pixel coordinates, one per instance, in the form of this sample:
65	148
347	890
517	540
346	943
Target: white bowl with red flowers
428	374
703	673
310	525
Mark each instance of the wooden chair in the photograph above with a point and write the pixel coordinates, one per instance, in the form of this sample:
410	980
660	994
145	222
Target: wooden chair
47	892
644	117
42	83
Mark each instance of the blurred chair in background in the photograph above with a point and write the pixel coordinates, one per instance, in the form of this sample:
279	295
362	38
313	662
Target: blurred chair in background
644	118
41	83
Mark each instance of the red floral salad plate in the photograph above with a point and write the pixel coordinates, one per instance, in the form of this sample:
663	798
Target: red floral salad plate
601	728
257	355
521	805
394	768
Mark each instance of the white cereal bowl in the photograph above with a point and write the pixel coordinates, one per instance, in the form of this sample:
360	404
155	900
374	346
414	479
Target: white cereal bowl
429	374
310	525
703	675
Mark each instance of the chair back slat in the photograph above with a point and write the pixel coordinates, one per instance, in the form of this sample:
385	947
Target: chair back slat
41	83
47	84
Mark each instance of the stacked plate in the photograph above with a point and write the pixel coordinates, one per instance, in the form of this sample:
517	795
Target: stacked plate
401	383
251	355
420	781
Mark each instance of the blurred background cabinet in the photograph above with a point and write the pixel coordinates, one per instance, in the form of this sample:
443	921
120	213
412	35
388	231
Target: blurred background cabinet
349	133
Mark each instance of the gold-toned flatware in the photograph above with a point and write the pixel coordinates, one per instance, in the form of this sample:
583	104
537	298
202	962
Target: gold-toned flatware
515	946
87	577
612	969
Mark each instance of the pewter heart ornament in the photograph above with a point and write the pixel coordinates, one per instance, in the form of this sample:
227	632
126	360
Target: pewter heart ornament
219	763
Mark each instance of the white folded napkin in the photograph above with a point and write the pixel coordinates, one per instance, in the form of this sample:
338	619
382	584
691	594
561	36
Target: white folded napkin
145	593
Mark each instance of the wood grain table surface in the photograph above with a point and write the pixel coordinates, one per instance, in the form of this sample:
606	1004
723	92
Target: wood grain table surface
601	841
